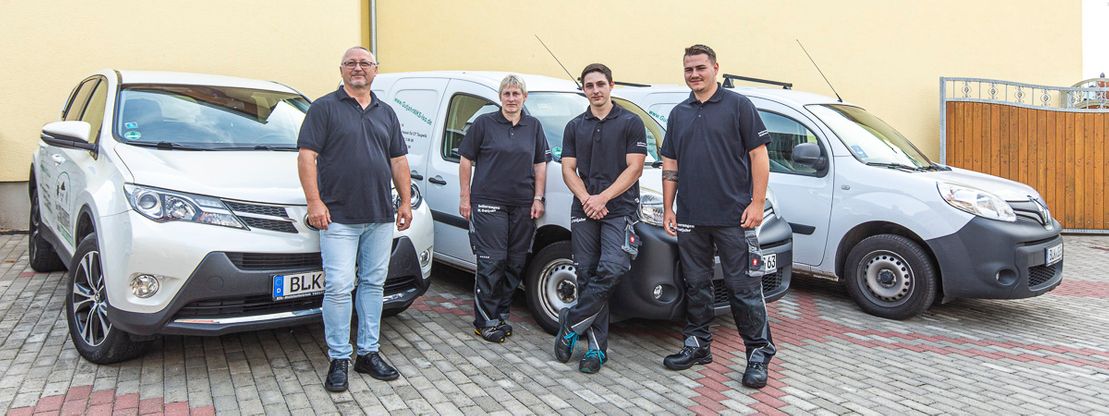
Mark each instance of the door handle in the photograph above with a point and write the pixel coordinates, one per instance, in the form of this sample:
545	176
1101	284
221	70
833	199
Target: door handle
417	176
58	159
438	180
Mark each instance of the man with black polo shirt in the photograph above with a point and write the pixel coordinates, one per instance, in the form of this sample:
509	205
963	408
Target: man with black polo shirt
350	146
602	158
716	143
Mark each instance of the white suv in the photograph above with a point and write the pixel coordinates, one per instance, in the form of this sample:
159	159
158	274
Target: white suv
173	200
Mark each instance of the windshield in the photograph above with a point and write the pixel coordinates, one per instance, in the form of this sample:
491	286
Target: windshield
870	139
209	118
555	109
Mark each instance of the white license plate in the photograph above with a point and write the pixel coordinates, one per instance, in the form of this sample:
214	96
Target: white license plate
1053	255
290	286
770	263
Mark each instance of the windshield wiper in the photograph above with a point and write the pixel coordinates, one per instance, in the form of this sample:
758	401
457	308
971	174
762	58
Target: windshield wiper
164	145
895	166
257	147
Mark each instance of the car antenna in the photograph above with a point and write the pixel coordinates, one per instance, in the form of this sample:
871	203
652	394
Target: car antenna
559	62
818	70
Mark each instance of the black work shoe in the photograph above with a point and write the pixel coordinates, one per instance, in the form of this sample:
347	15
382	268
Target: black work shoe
755	375
506	327
565	338
491	333
592	361
687	357
375	366
337	376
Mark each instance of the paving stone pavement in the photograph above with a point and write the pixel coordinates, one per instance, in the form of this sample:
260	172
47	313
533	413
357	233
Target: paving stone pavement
1045	355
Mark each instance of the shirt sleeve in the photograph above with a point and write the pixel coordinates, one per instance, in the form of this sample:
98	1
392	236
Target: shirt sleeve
313	131
397	147
471	143
669	148
751	128
542	152
569	142
636	136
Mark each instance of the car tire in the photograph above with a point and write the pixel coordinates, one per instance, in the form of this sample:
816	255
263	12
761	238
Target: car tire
551	284
86	309
890	276
43	257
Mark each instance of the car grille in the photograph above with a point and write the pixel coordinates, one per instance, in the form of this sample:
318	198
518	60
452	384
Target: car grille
276	261
770	283
1031	211
265	217
1040	275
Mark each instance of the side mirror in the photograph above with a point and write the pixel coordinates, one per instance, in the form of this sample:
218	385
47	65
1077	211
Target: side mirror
68	134
808	154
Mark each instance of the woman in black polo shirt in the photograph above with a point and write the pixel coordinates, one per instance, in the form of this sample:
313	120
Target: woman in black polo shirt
507	153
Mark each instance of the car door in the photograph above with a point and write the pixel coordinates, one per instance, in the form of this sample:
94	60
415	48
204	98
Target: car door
463	101
416	102
52	185
804	193
76	165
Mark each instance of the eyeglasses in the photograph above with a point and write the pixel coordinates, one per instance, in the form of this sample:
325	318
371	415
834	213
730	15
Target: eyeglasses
362	64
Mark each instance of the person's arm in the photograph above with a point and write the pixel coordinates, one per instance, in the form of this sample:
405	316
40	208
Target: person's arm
318	215
537	207
755	137
573	181
669	190
465	170
402	179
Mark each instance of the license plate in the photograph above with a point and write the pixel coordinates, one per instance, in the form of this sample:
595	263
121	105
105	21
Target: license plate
770	263
1053	255
291	286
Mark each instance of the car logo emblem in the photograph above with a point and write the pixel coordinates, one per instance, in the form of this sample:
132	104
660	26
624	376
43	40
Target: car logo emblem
1045	214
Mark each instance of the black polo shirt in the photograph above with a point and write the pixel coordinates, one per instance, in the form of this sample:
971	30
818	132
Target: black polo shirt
504	158
355	147
710	141
601	148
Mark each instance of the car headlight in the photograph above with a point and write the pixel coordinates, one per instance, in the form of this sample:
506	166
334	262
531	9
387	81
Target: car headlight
650	208
417	198
163	206
976	201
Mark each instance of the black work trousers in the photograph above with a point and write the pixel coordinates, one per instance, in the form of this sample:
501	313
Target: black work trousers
696	245
501	238
600	262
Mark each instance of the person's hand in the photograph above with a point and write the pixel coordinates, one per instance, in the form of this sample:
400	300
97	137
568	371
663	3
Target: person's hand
318	215
536	209
594	206
464	207
670	222
404	217
752	216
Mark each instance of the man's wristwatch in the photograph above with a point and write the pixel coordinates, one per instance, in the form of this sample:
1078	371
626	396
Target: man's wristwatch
541	199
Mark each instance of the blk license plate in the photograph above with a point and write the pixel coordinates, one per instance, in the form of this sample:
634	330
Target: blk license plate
1053	255
291	286
770	262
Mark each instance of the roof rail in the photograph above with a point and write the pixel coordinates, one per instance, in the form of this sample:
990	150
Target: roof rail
729	84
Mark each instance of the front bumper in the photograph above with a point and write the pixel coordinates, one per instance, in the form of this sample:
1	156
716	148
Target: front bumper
990	259
657	266
232	292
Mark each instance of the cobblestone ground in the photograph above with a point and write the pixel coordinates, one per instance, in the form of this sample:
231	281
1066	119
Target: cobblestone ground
1045	355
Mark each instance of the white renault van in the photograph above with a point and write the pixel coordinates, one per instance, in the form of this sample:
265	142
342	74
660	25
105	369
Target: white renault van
173	200
869	209
435	109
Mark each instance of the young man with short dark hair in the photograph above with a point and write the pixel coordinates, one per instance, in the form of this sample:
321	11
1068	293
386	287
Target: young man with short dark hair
716	143
602	158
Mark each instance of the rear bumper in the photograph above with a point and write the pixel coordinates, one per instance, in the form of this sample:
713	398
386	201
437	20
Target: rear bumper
232	292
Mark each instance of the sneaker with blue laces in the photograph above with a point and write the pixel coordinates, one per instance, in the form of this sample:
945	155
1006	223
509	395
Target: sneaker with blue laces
566	337
592	361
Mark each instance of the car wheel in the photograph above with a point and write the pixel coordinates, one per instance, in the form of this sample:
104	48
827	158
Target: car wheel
86	308
551	284
43	257
890	276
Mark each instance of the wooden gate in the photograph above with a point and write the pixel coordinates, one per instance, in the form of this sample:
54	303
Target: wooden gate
1054	139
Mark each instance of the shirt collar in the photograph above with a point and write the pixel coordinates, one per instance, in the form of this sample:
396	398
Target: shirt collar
716	97
499	116
615	111
342	94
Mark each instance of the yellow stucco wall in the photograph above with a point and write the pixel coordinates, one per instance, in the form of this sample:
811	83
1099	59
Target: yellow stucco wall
884	55
49	46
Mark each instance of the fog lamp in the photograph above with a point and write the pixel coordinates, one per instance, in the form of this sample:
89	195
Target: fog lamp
144	285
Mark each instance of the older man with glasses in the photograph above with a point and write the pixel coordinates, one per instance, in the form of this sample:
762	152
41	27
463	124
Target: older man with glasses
350	146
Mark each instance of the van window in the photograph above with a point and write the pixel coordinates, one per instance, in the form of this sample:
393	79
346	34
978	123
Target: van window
94	113
461	113
80	97
785	133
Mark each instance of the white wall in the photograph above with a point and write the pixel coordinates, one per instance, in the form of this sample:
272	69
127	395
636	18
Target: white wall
1095	38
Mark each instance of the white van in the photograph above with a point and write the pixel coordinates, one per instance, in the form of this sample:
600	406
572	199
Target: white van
435	109
869	209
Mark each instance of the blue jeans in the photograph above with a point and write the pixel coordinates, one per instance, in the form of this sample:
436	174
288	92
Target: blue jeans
340	246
